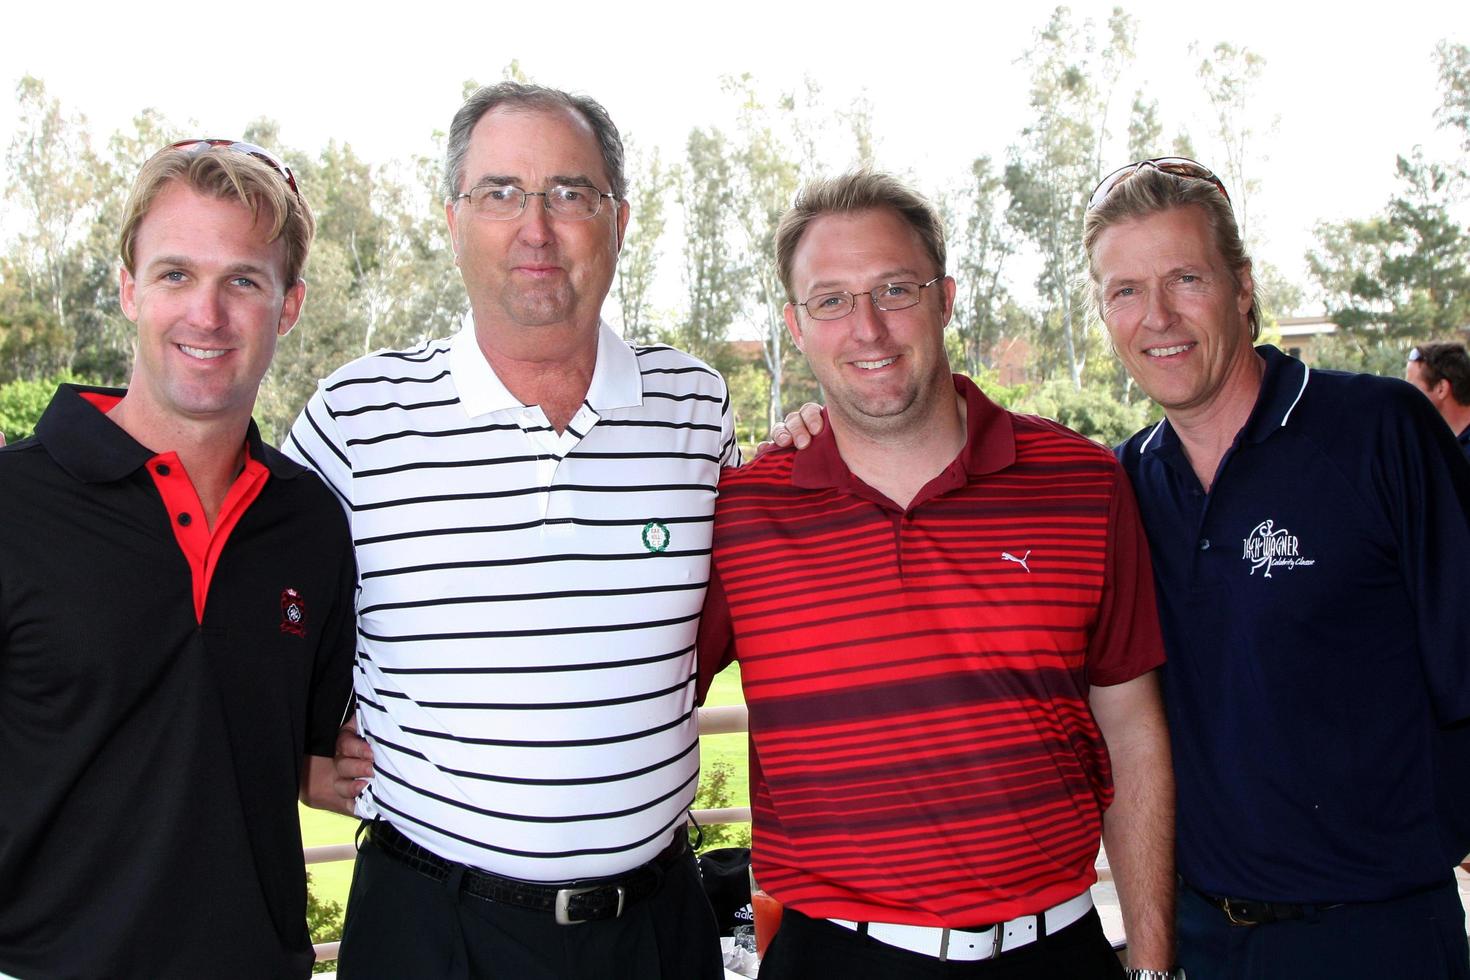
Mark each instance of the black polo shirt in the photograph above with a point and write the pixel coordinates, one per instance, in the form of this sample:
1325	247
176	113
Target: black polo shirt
150	757
1318	638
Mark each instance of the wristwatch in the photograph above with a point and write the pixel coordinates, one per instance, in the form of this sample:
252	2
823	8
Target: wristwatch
1175	974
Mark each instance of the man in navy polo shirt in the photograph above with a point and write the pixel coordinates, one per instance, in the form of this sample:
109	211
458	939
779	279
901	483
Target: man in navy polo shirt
1442	372
176	613
1311	548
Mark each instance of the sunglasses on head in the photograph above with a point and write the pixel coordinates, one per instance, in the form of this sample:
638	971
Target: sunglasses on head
259	152
1178	166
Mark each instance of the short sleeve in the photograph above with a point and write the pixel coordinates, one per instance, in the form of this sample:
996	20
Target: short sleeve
1126	641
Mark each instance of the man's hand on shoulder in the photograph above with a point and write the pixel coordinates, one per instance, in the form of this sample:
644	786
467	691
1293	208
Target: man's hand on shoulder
336	783
797	430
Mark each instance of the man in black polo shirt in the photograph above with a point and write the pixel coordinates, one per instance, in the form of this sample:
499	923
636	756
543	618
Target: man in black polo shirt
176	613
1311	547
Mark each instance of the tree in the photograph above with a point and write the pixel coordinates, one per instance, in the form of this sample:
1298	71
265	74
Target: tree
649	186
380	274
1404	273
104	336
23	401
767	173
714	279
1145	131
32	343
981	254
1229	76
1090	410
1361	353
1453	63
1051	172
716	793
323	923
58	183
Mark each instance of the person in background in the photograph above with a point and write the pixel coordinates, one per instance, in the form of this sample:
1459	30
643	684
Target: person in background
1442	372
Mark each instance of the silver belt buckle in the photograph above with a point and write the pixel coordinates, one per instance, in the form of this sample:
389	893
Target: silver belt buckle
997	937
565	895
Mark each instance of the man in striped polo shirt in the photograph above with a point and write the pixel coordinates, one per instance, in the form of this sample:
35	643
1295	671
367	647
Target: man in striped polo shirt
531	503
944	617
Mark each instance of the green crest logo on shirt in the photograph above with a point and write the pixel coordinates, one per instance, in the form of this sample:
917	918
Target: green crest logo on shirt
656	536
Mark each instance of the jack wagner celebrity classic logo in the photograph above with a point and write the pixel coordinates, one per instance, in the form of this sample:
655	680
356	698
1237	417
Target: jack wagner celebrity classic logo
1268	547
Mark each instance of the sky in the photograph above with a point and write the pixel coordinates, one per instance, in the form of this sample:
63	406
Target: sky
1347	91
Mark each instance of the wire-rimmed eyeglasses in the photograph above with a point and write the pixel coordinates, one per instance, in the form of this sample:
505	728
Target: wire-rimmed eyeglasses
502	202
888	297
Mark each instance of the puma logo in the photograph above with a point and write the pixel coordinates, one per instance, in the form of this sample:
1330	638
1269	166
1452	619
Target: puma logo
1007	556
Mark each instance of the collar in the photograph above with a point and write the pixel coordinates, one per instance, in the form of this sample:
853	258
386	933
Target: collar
616	380
92	448
1282	387
990	446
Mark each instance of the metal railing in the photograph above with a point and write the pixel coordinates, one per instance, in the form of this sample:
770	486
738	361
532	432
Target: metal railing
726	720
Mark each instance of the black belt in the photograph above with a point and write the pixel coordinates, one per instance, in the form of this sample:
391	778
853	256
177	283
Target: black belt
1247	912
571	903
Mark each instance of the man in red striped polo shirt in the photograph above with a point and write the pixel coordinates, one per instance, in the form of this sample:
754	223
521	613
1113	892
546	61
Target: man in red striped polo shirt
944	616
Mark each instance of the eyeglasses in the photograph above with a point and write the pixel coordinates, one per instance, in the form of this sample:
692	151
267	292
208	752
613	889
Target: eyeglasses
259	152
888	297
1178	166
503	202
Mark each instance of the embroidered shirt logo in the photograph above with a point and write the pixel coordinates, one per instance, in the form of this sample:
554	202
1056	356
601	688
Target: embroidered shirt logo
656	536
1268	547
293	613
1007	556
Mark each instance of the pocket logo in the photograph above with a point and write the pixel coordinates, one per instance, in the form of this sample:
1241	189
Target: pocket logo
1269	546
656	536
293	613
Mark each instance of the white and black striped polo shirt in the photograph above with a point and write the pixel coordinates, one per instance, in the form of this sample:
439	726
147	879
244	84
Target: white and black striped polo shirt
528	600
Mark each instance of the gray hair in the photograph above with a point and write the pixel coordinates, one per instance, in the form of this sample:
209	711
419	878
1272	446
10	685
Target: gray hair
531	97
1148	191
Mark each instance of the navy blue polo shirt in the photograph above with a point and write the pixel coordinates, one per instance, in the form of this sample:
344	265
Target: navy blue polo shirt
1318	638
1464	440
153	724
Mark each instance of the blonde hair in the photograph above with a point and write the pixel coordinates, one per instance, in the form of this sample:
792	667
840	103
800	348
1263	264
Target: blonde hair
223	172
1148	191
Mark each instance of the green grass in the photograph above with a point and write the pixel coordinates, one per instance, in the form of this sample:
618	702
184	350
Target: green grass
728	748
329	882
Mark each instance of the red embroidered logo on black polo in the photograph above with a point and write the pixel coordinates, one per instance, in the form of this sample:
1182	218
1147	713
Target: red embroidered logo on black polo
293	612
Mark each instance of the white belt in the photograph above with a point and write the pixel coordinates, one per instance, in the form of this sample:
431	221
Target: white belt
984	944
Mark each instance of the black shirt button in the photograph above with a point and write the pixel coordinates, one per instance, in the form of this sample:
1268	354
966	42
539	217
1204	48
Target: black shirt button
185	520
162	469
1204	544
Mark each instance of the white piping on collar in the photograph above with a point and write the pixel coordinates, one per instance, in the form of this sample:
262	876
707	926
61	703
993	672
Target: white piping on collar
1151	436
1306	373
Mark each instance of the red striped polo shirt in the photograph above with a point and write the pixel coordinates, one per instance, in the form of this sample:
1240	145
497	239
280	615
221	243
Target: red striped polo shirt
922	750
